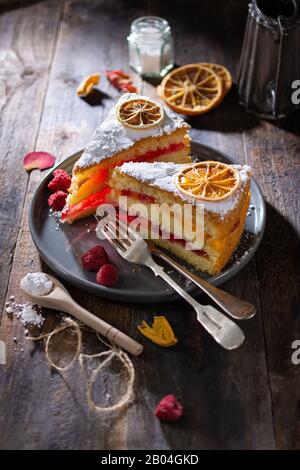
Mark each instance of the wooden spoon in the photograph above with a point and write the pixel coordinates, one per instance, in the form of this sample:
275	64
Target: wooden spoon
60	299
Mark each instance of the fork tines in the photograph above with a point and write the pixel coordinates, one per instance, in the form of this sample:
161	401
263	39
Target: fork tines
113	228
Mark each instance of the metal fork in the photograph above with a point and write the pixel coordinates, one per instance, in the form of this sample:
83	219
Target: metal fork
131	246
235	307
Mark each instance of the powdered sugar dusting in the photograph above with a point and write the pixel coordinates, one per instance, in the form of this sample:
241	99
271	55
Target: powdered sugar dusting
162	175
112	137
27	313
29	316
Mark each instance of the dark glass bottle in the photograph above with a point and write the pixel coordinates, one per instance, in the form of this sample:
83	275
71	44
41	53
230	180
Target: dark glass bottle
270	58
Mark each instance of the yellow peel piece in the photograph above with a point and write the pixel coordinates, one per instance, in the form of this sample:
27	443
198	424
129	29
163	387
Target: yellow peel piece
88	84
160	332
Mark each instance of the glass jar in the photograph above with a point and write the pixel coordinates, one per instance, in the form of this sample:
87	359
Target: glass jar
151	51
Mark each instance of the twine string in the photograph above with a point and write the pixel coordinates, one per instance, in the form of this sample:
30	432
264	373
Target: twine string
113	352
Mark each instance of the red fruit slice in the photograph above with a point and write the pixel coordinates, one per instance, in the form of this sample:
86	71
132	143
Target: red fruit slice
90	203
40	160
128	87
120	72
121	80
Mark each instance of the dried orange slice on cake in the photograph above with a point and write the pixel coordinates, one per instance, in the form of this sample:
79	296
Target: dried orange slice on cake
208	181
223	73
140	113
191	89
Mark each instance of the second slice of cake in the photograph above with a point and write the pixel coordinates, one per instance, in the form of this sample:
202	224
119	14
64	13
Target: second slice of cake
158	183
136	129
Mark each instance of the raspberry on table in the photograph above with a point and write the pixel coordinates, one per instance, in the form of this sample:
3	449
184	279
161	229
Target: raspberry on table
169	409
93	259
61	181
108	275
57	200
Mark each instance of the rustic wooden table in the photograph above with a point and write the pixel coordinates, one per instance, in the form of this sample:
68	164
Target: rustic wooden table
247	398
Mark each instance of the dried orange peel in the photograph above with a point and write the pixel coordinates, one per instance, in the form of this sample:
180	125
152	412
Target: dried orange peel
208	181
140	114
191	89
87	84
160	332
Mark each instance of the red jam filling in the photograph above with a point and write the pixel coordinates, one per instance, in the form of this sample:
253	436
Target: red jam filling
172	238
140	196
103	173
183	242
153	154
157	153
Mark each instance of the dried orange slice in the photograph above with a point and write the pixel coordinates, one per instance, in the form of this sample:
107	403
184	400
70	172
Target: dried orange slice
223	73
208	181
140	113
191	89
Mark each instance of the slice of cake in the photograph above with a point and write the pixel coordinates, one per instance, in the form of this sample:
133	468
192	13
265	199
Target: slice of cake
221	191
136	129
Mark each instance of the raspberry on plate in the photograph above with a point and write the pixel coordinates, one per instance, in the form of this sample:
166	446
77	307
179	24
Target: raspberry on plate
61	181
57	200
108	275
169	409
93	259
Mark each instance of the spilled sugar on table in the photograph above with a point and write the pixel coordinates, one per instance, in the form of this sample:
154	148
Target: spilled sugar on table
241	399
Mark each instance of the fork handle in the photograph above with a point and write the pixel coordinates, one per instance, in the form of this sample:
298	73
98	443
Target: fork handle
221	328
235	307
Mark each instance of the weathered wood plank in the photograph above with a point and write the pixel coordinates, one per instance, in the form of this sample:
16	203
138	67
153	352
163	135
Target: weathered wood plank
273	151
27	40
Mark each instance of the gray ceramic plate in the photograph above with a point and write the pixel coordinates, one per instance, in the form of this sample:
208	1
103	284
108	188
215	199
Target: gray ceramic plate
61	246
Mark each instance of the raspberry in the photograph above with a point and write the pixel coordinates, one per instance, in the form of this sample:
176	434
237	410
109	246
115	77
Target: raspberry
169	409
93	259
107	275
57	200
61	181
